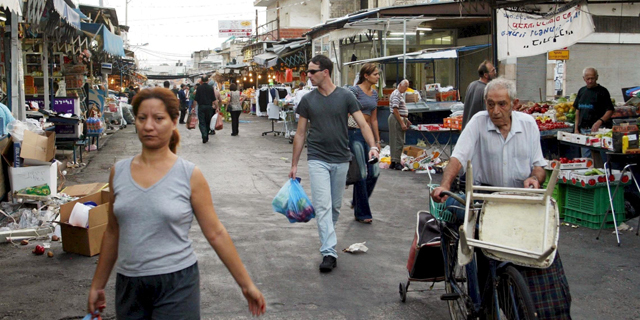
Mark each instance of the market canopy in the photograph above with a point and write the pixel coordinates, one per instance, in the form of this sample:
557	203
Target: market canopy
267	59
12	5
67	13
422	55
390	24
111	43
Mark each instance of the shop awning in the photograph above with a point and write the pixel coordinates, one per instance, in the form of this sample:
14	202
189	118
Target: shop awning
67	13
392	24
82	15
267	59
12	5
111	43
422	55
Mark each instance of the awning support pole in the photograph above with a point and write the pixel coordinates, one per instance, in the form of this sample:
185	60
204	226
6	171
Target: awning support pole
404	49
45	72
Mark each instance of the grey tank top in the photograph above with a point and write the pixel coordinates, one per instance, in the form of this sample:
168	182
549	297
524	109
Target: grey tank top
154	222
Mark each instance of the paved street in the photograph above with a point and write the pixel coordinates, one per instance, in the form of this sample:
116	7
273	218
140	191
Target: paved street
244	173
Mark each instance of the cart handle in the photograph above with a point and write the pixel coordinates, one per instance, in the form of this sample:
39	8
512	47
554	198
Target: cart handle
454	196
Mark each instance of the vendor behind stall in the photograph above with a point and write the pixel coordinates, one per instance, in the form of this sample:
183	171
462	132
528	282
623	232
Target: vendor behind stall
593	106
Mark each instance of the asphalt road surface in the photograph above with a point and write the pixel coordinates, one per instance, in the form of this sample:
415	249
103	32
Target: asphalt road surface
245	172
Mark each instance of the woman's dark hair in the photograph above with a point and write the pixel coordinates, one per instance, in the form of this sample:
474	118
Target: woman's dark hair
233	87
171	104
324	63
366	70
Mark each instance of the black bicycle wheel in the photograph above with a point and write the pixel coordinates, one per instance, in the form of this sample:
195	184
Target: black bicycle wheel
455	275
514	298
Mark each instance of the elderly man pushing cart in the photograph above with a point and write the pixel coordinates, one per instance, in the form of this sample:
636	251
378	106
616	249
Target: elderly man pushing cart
504	149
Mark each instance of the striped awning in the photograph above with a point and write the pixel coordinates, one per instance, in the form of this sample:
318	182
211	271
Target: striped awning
12	5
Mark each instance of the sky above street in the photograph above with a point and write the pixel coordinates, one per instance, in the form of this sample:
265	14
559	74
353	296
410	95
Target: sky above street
175	29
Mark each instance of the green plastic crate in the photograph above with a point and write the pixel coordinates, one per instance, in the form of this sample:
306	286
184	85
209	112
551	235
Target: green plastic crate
559	193
591	221
593	200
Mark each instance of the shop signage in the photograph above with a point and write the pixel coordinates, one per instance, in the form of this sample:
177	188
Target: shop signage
559	55
523	35
238	28
106	68
60	105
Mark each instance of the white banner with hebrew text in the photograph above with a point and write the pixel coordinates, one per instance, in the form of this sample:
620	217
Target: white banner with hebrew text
524	35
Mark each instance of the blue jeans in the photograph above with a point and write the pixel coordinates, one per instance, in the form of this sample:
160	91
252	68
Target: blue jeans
369	173
327	186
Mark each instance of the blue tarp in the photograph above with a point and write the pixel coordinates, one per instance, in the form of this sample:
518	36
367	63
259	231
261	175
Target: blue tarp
67	13
111	43
82	15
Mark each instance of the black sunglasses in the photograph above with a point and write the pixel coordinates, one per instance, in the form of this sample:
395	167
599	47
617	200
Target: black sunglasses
313	71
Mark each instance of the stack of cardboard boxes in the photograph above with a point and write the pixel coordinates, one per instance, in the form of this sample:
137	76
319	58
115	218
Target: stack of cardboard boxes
32	169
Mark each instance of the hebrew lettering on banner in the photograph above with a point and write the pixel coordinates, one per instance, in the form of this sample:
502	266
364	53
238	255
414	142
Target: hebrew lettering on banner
524	35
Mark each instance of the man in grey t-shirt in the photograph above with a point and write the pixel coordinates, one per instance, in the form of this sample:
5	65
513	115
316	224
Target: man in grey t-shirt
474	98
327	109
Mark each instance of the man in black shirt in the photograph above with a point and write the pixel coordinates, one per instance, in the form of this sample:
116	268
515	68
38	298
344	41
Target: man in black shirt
593	106
593	103
205	96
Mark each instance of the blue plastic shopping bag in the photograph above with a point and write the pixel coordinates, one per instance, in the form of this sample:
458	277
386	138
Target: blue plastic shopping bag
293	202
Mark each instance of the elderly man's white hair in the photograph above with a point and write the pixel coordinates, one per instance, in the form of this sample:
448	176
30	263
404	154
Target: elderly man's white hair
405	82
501	83
587	69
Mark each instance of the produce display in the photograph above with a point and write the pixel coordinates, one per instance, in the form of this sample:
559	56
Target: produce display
551	125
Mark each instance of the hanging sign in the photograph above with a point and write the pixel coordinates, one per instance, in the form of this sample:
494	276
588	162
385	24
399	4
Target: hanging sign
559	55
523	35
238	28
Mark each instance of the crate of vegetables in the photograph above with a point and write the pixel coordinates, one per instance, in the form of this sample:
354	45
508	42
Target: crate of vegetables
595	178
566	164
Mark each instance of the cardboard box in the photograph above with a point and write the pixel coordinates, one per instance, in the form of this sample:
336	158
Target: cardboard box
447	96
25	177
571	166
85	241
412	97
37	149
82	190
580	139
413	151
578	178
607	143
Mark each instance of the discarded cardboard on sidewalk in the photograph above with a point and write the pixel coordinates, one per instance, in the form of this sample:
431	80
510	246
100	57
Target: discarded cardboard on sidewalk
37	149
85	241
81	190
413	151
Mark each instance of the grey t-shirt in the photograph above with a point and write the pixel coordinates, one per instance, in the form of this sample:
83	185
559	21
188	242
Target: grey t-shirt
473	101
328	136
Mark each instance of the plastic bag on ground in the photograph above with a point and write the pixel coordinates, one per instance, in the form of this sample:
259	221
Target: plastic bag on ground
298	206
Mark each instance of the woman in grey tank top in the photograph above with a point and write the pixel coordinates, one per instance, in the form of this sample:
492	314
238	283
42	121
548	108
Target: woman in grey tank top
154	197
368	98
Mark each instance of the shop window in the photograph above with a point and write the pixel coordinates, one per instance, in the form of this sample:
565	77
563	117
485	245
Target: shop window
321	46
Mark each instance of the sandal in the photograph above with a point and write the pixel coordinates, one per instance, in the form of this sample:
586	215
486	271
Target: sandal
367	221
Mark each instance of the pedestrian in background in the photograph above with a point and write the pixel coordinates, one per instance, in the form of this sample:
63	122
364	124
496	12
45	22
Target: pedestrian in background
398	124
182	96
327	109
474	98
218	102
192	96
154	197
368	98
205	98
234	106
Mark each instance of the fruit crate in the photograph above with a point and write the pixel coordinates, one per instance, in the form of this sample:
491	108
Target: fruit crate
593	200
591	221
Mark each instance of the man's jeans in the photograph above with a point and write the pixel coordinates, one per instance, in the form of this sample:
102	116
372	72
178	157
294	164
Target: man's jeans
327	186
205	113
